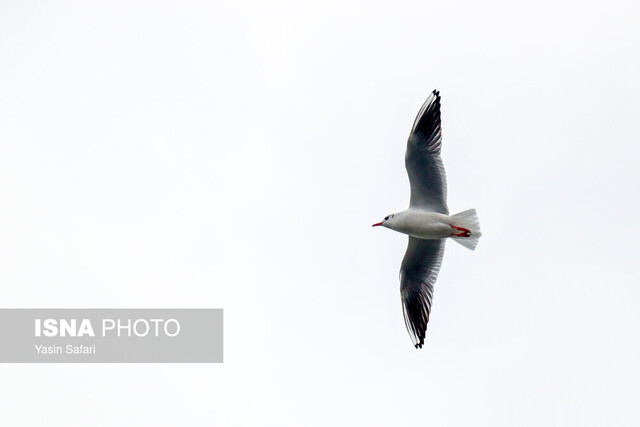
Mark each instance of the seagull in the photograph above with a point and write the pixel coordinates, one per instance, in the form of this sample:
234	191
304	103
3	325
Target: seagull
427	220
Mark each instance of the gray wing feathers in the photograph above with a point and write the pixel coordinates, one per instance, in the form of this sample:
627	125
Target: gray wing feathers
418	274
422	159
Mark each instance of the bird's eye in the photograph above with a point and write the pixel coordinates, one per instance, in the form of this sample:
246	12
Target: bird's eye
386	218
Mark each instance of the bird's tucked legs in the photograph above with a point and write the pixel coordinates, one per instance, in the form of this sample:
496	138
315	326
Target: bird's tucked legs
465	232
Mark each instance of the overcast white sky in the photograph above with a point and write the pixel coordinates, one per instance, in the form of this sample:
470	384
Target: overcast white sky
235	154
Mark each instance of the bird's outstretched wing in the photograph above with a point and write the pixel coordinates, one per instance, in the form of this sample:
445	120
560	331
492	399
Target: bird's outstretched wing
422	159
418	274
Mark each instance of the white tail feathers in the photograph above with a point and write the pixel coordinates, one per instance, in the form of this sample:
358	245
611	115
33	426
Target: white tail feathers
469	220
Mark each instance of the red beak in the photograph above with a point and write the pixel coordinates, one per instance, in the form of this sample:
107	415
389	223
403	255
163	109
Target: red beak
377	224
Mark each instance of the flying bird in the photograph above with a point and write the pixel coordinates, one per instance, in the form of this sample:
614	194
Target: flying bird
427	220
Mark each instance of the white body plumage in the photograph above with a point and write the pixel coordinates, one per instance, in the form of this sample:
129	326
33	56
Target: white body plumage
425	224
420	223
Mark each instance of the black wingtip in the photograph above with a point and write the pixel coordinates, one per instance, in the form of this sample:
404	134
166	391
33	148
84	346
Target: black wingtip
427	123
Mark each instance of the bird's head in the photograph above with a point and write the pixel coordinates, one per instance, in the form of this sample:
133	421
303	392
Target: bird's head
386	222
